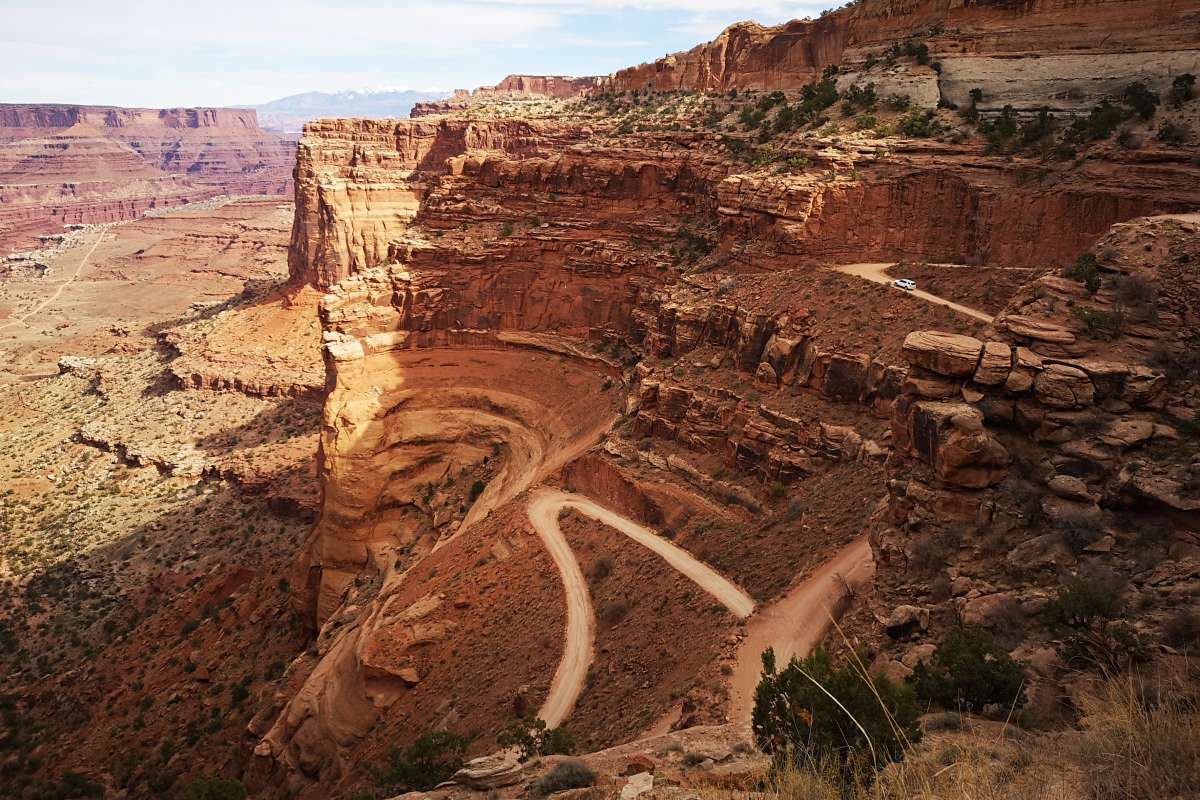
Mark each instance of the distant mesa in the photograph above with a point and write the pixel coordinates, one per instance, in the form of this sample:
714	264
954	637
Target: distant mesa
557	86
287	115
72	164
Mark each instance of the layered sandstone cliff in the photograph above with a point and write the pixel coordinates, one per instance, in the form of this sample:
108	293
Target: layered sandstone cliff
63	164
1024	54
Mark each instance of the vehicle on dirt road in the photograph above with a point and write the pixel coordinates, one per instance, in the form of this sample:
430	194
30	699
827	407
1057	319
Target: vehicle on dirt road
904	283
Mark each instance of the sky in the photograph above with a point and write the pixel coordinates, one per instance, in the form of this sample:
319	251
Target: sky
235	52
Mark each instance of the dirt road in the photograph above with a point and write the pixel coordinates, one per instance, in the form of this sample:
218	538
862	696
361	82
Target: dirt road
878	273
795	623
569	678
571	674
20	320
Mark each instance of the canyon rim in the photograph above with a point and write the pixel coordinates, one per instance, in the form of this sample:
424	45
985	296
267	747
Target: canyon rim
484	452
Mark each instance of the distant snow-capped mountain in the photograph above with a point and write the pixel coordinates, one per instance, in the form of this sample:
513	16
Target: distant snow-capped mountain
287	115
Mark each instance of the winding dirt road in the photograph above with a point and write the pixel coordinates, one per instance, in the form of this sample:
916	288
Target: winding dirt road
795	623
571	674
57	292
877	273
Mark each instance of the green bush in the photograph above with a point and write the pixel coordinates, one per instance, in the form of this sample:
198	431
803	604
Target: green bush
532	738
817	712
1181	89
1083	600
203	787
1087	271
1172	134
1100	123
570	774
1087	612
430	760
919	125
1139	98
969	670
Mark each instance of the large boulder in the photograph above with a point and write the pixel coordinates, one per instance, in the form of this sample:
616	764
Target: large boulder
951	438
944	353
1062	386
846	377
995	364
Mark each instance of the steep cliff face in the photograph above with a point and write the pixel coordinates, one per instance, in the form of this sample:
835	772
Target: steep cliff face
360	182
63	164
1026	54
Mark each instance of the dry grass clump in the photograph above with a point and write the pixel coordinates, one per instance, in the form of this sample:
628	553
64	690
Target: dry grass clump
1141	743
1133	743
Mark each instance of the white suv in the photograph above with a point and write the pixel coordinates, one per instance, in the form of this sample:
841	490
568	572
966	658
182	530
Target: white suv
905	284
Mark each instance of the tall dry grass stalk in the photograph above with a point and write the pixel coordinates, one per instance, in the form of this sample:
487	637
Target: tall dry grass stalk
1141	742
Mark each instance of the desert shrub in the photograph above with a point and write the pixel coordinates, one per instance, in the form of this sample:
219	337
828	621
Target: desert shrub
1087	611
570	774
1038	128
969	670
1172	134
1100	123
1135	290
919	51
1086	598
856	96
1181	89
899	102
1139	98
815	712
1182	629
603	567
971	112
532	738
614	612
1078	530
1139	744
1126	139
203	787
1087	272
425	763
919	125
1104	324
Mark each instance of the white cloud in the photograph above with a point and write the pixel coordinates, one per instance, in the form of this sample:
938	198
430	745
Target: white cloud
223	51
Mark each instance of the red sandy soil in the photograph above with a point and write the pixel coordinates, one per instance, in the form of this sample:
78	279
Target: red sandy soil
655	631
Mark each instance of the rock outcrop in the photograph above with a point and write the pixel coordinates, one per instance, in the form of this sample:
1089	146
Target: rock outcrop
1031	459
